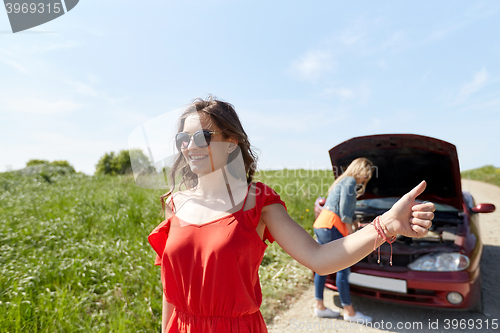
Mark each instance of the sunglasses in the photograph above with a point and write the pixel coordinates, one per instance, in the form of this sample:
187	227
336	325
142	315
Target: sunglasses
201	138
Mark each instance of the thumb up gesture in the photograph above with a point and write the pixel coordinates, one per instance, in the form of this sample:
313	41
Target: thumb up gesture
407	217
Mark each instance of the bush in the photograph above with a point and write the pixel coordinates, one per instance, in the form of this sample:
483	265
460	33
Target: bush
62	163
120	164
47	171
105	165
36	166
36	162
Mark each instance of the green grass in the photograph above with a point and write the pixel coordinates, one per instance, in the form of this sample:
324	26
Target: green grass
487	174
74	255
282	278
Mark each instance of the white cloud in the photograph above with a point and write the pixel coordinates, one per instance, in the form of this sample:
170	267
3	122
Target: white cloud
296	123
88	90
92	78
20	53
23	49
83	89
313	65
357	31
477	83
7	57
485	106
366	37
34	105
423	81
16	65
48	137
442	33
480	79
477	11
361	93
351	37
382	64
53	46
374	124
342	93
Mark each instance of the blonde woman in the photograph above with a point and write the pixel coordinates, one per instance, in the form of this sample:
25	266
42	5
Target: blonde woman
337	221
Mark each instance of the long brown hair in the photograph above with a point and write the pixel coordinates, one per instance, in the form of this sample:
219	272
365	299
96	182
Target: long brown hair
359	167
225	118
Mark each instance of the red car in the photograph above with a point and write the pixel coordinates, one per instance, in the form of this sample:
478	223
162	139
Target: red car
439	270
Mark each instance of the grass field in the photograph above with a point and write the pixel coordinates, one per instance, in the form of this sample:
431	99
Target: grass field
74	255
487	174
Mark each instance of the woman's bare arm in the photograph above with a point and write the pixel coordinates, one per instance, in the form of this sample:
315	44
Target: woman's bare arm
406	217
167	310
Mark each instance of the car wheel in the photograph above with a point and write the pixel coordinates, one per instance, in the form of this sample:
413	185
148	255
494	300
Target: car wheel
336	300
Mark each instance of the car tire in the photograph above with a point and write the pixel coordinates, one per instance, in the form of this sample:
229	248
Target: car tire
336	300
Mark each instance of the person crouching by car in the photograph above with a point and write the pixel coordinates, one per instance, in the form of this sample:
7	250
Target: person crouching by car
335	221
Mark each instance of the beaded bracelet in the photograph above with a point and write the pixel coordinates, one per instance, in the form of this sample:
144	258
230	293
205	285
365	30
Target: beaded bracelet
380	231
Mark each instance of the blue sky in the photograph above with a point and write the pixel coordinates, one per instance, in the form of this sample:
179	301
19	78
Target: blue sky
303	76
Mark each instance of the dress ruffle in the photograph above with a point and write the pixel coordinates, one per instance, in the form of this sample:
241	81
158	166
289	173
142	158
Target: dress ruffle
158	239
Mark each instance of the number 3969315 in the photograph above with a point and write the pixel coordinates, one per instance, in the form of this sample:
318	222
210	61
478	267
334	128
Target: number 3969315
33	8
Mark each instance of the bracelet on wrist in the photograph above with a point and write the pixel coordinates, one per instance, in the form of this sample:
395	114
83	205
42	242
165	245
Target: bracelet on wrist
382	234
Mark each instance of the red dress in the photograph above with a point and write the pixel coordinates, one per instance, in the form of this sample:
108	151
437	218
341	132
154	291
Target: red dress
210	271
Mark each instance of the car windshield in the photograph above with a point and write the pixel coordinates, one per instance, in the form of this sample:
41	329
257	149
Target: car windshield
386	204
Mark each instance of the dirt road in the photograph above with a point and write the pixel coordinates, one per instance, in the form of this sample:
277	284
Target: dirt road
299	317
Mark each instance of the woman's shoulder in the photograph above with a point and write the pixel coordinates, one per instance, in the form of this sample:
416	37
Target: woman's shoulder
267	195
264	190
261	186
348	180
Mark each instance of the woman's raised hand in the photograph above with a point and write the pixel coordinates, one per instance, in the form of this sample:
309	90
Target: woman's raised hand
407	217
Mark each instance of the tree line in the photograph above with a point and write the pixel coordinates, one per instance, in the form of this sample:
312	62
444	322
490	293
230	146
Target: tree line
110	163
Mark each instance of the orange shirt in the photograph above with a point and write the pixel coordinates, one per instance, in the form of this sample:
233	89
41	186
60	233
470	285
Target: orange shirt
328	219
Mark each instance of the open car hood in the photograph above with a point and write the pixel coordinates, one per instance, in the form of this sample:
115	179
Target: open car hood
402	161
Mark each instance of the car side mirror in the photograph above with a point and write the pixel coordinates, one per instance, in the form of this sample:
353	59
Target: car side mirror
484	208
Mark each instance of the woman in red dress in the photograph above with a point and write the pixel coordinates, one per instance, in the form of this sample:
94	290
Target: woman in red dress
212	240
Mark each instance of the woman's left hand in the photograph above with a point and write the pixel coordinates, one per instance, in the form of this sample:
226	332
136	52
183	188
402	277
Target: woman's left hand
407	217
318	208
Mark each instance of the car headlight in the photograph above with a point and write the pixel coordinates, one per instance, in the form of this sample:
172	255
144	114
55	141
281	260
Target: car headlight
440	262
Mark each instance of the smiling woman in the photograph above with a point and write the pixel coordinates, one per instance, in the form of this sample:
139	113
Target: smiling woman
217	220
204	122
